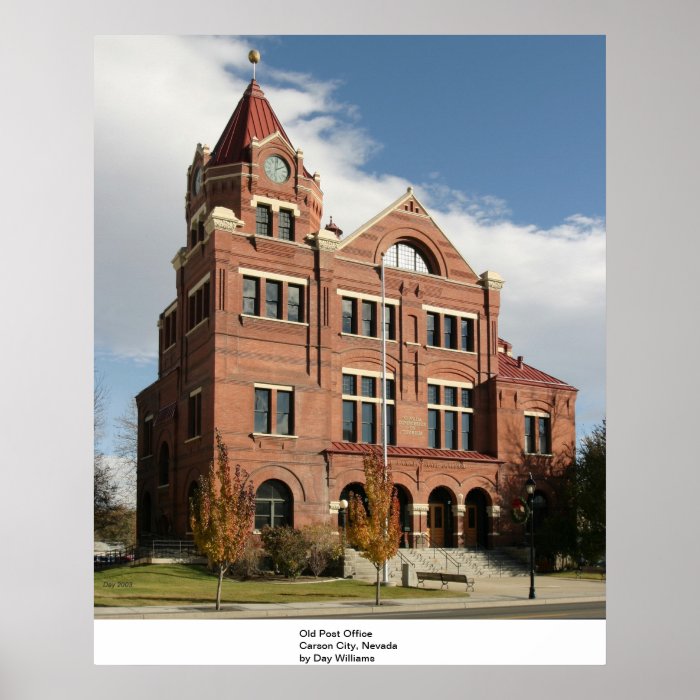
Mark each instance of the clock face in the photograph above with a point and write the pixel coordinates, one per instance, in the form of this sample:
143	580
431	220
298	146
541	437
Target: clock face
197	181
276	169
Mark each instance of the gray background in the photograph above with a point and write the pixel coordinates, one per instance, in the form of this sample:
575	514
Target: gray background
46	182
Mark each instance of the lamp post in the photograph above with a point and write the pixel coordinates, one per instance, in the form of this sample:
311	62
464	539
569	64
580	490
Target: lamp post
530	488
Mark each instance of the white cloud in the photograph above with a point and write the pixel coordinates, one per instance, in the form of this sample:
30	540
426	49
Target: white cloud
156	98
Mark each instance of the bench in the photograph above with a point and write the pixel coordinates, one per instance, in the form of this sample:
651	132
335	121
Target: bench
445	579
590	570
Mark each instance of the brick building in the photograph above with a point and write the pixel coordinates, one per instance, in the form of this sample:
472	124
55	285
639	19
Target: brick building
274	338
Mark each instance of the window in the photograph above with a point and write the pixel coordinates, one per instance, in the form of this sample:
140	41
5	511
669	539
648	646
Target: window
448	325
147	448
467	336
286	225
362	406
263	224
169	329
250	295
349	306
198	304
262	411
368	433
466	431
283	296
349	434
433	329
389	325
294	303
450	415
273	292
284	413
194	414
433	428
278	401
273	505
457	329
406	257
538	434
368	321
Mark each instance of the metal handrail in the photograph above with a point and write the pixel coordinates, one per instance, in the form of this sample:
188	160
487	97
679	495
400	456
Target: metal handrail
442	551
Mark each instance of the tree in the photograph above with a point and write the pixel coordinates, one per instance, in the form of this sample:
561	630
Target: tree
222	514
376	534
125	450
589	493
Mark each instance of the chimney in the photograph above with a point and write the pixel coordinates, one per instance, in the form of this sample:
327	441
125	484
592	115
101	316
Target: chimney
520	361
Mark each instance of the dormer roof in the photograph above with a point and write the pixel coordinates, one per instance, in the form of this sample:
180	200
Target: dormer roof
252	118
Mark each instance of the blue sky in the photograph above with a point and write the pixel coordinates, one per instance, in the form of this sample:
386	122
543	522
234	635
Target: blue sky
503	139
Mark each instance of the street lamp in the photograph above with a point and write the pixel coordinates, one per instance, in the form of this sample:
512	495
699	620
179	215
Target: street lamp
530	488
343	512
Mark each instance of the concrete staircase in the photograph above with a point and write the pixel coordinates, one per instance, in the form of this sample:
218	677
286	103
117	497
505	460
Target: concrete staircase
475	563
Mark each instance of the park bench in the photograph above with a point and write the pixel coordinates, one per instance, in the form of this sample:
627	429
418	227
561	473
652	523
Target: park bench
445	579
590	570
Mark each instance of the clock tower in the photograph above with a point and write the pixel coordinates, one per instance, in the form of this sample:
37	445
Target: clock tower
254	171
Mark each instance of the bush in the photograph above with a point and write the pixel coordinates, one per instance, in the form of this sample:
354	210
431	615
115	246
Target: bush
249	563
323	546
287	548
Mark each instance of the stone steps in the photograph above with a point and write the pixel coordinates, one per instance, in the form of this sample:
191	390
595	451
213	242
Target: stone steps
476	563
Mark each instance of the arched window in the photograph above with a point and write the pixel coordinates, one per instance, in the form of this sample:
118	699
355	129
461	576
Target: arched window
406	257
164	465
273	505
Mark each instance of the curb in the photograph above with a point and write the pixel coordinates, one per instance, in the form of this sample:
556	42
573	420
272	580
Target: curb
116	614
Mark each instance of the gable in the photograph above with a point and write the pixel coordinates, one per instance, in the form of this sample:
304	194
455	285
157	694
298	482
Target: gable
407	224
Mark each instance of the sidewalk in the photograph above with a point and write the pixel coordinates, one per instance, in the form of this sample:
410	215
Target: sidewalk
488	592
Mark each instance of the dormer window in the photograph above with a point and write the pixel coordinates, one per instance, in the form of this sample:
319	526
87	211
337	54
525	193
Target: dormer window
406	257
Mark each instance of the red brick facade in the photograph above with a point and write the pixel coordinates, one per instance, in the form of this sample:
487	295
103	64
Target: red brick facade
274	339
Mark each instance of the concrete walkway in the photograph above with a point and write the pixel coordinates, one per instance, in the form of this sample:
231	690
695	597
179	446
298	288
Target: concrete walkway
488	592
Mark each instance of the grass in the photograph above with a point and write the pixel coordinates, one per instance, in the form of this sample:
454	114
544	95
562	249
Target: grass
185	584
572	574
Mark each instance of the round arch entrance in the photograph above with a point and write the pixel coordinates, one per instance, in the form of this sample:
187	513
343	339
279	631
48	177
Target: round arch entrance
405	519
476	528
354	489
440	526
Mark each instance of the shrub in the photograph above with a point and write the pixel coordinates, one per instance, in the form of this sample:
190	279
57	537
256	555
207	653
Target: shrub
323	546
249	563
287	549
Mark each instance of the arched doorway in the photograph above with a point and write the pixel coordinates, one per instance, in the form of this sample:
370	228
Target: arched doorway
476	527
405	520
440	529
274	505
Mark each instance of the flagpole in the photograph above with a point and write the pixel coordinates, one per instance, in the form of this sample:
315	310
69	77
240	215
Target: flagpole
384	421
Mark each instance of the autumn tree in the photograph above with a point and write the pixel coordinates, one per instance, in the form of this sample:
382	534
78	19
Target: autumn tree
222	514
376	534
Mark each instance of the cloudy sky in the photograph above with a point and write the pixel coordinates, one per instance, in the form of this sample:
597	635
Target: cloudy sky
502	138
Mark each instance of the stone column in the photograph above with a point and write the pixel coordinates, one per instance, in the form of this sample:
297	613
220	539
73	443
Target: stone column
419	523
493	513
458	512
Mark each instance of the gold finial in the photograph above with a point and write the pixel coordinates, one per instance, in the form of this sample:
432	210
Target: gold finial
254	57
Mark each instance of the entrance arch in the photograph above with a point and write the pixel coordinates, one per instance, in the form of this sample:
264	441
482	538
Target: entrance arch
357	489
476	528
440	526
405	519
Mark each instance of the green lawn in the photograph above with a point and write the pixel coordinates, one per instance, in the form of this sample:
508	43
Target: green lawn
182	584
572	574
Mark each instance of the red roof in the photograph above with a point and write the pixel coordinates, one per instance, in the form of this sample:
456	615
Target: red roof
516	370
426	452
253	117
